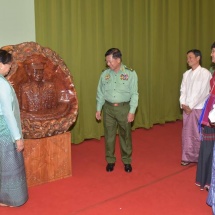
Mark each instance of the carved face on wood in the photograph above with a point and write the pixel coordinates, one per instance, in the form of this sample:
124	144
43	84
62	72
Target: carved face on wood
45	90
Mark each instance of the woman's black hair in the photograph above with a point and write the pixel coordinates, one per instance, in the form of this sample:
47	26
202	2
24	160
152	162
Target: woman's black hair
5	57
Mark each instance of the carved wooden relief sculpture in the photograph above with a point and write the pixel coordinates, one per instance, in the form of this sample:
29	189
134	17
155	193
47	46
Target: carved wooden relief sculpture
45	90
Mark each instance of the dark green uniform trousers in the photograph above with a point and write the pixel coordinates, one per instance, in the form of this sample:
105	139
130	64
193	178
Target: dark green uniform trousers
113	117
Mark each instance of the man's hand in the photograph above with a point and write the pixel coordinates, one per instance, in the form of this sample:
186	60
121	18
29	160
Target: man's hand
130	117
186	109
98	115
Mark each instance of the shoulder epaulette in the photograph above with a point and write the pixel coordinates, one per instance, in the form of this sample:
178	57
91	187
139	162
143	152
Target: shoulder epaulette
129	69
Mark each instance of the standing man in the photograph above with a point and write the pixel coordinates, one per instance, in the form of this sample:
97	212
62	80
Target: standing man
194	90
117	94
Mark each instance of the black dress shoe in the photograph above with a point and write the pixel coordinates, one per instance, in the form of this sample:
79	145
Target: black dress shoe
110	167
128	167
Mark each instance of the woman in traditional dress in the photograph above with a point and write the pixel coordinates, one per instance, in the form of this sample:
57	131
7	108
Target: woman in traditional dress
204	166
211	194
13	186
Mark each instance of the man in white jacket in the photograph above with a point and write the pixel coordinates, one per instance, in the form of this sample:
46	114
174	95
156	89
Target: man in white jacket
194	91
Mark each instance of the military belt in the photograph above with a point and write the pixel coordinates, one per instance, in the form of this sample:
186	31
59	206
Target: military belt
117	104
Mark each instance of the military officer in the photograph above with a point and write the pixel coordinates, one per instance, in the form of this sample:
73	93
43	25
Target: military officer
117	96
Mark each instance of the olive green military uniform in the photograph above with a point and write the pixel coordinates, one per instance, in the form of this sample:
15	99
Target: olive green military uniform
117	94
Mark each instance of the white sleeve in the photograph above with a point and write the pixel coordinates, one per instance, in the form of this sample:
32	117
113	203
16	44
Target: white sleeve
183	90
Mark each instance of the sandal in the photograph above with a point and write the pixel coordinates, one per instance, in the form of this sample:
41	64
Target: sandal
4	205
184	163
207	187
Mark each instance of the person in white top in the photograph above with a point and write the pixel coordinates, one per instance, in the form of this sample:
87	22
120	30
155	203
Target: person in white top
195	88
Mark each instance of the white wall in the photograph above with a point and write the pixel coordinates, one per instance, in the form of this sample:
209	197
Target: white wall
17	22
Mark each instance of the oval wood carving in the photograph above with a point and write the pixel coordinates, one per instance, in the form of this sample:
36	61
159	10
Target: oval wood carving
45	90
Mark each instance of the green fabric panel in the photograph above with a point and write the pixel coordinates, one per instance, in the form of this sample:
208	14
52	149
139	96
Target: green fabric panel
153	35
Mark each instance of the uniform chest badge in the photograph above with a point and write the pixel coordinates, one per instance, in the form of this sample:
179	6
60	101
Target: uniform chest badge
107	77
124	76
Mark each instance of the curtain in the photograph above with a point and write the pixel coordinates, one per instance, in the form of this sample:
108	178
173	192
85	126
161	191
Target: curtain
153	36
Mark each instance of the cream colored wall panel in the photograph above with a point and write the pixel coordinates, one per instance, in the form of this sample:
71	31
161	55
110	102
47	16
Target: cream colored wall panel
17	21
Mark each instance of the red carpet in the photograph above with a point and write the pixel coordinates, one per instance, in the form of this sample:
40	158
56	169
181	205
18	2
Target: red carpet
158	184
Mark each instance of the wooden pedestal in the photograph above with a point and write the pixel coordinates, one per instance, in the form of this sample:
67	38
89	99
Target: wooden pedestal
48	159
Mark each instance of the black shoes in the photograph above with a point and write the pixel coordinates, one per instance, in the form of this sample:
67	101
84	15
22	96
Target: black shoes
110	167
128	167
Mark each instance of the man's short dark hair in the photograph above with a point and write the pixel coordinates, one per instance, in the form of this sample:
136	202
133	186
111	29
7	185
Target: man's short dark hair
116	53
197	53
213	46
